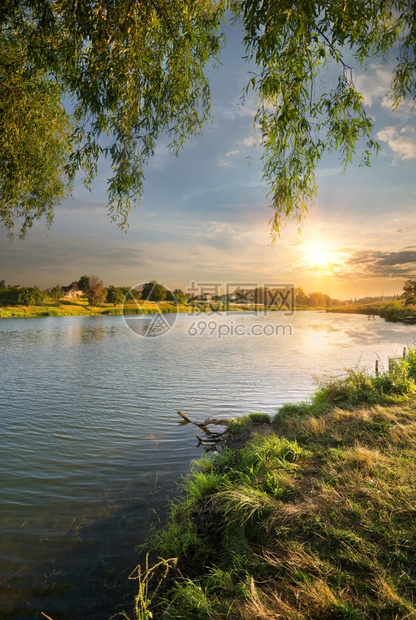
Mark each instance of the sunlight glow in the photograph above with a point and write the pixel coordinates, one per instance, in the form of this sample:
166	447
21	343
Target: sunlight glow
315	254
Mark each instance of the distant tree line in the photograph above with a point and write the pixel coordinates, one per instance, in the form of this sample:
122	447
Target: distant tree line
22	296
154	291
315	300
95	292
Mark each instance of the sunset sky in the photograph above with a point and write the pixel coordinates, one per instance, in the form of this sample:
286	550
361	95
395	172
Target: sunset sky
204	216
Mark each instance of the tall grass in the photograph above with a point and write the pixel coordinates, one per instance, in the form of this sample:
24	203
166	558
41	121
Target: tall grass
149	581
358	388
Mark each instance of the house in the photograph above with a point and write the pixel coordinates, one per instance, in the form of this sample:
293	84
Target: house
72	290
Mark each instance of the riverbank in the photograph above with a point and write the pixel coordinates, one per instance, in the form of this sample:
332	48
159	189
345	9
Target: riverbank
81	308
313	516
138	307
391	311
396	310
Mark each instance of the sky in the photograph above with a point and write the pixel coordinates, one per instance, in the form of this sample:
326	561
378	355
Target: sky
204	217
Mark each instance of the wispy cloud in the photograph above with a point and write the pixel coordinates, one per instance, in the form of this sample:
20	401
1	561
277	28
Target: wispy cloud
402	142
222	229
235	109
249	141
374	83
227	158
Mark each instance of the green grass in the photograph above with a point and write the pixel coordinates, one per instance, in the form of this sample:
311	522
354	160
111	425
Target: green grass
313	518
239	426
69	308
44	310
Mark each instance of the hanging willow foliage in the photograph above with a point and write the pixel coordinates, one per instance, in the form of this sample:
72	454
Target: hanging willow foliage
81	80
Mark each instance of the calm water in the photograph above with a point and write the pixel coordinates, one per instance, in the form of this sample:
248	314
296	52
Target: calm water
91	445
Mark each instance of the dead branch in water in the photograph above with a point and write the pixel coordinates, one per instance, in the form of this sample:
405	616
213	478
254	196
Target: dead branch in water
211	439
218	421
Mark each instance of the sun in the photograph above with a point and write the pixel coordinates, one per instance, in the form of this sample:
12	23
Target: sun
315	254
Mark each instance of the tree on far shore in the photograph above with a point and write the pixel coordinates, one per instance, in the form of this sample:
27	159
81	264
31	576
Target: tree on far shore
93	289
56	293
180	296
30	296
115	295
153	291
83	283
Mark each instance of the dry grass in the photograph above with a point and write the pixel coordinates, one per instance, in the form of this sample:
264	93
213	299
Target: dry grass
315	522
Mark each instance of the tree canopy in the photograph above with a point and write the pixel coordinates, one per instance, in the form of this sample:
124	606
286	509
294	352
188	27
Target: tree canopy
102	78
56	293
93	289
115	295
154	291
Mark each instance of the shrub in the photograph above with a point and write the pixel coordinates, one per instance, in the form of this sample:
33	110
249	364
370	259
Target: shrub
260	418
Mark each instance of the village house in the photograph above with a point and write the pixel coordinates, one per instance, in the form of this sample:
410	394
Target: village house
72	290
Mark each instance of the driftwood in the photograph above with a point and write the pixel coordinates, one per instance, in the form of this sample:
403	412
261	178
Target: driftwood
211	439
217	421
198	424
186	418
206	422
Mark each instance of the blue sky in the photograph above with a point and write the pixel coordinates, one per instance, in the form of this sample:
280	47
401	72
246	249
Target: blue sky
204	215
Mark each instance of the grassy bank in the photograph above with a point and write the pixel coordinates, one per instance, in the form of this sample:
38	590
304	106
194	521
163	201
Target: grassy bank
81	308
396	310
313	517
391	311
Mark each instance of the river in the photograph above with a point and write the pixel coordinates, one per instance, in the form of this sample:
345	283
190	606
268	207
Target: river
92	447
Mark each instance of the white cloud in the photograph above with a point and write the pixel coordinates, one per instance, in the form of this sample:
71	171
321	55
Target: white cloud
249	141
226	161
216	229
403	143
234	110
374	84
